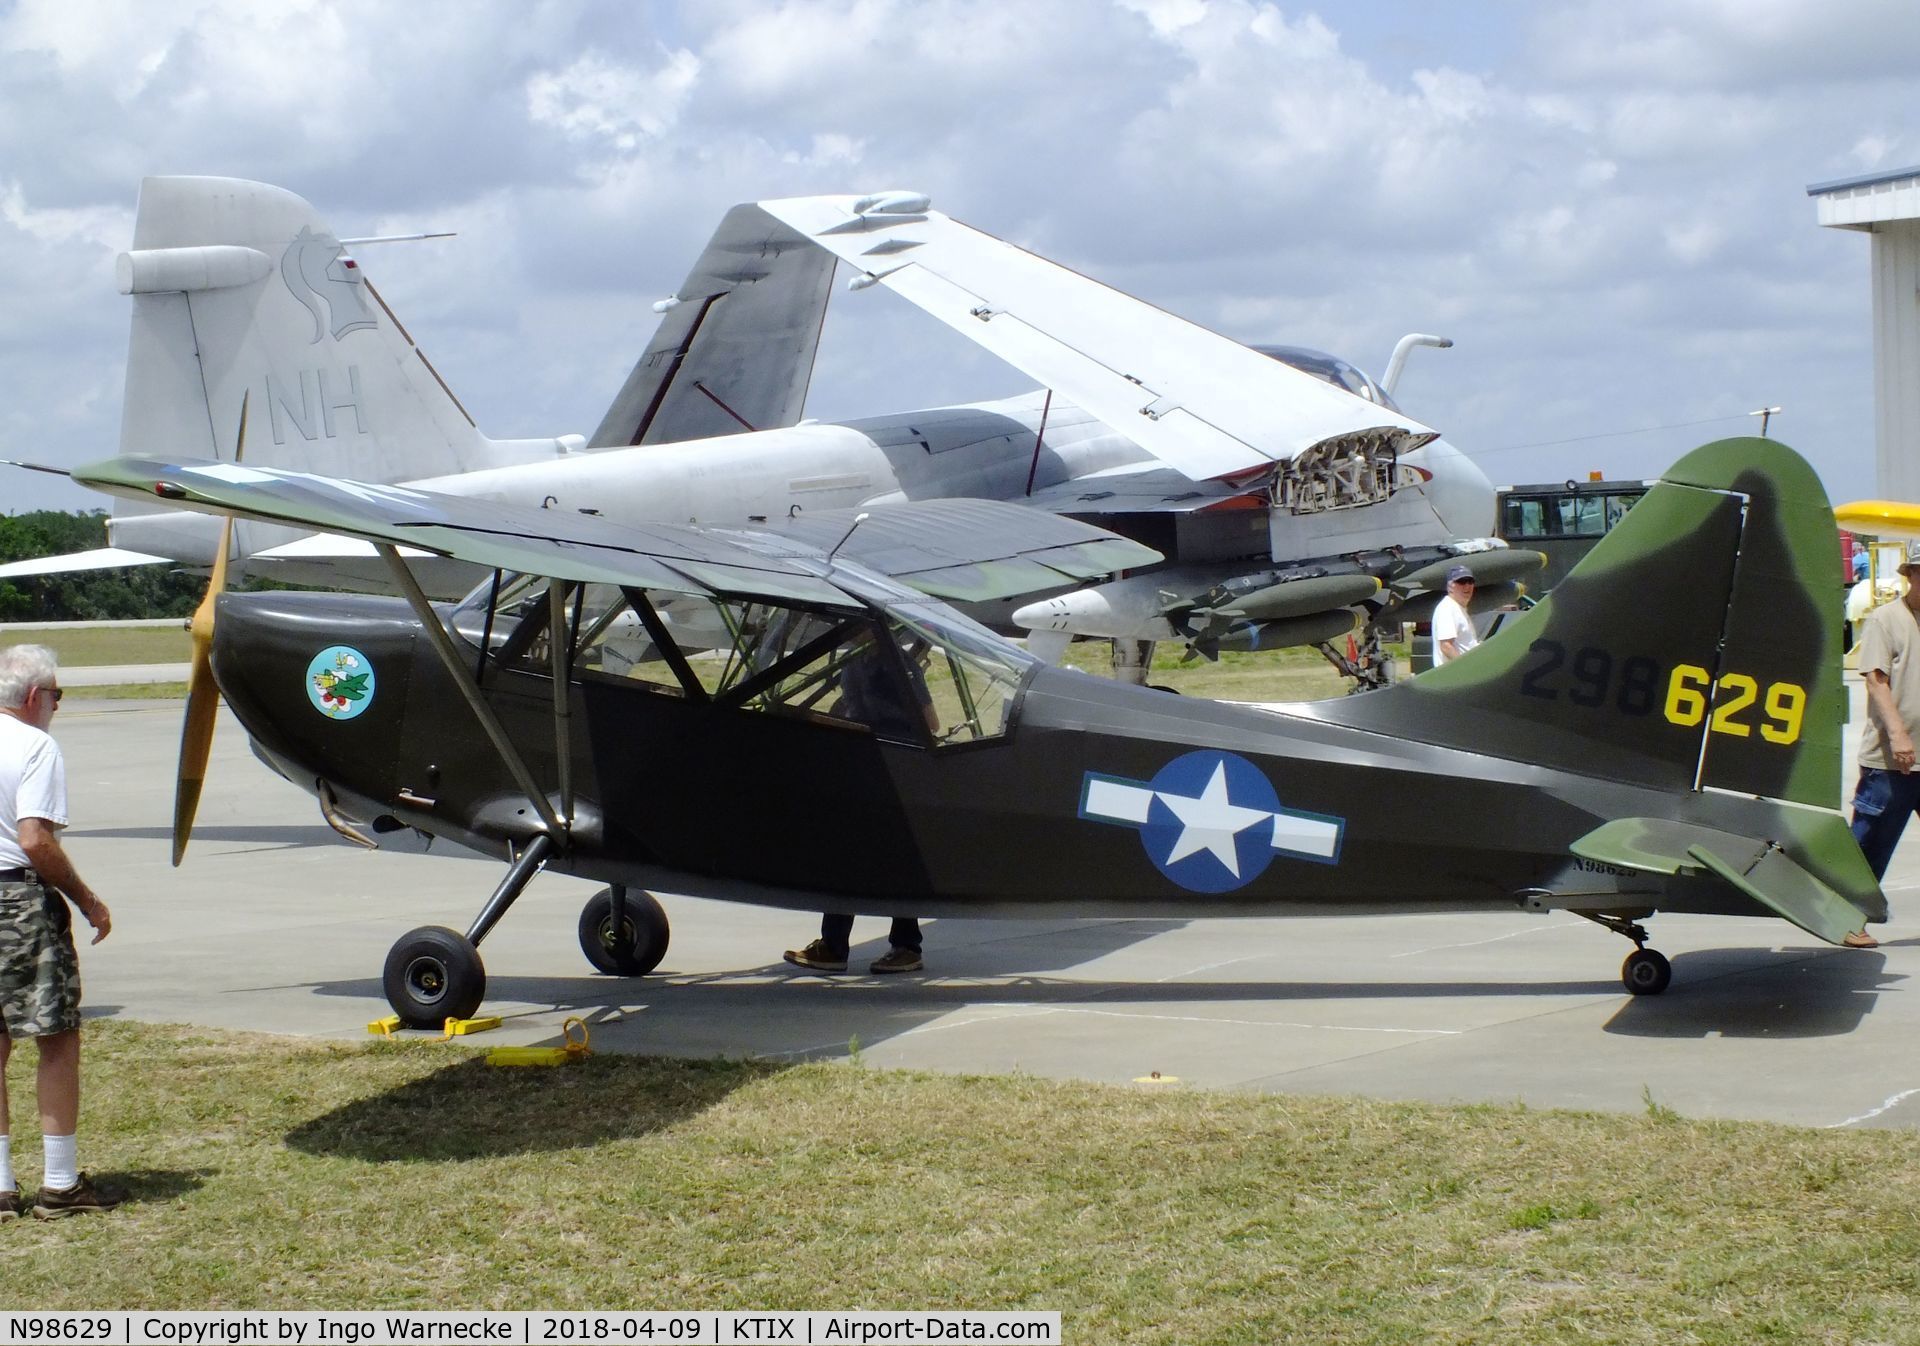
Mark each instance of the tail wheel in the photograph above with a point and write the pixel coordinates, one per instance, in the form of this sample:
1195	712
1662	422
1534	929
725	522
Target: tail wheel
637	947
433	974
1646	972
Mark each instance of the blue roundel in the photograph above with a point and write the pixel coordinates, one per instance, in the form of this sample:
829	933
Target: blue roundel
1210	826
340	682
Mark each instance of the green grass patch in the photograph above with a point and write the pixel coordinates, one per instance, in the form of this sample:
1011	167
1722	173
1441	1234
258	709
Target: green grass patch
271	1173
90	646
132	691
1264	675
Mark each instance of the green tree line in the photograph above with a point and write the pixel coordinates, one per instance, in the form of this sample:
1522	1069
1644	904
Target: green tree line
89	595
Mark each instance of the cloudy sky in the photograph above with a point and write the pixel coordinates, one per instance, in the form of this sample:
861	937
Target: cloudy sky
1603	204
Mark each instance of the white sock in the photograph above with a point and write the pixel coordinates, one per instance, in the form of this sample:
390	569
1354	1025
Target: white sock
63	1164
7	1183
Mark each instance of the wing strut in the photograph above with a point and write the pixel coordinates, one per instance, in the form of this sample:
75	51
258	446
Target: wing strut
560	649
450	659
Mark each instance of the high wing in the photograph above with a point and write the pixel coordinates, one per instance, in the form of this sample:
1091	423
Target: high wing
735	348
980	549
1197	401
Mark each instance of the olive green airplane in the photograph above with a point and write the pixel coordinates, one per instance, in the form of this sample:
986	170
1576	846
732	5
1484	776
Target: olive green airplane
793	717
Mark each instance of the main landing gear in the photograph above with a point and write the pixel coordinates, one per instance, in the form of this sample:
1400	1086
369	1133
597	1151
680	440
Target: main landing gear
1646	971
434	974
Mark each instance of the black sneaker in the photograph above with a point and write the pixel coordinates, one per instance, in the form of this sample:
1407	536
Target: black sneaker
10	1206
897	960
79	1199
818	957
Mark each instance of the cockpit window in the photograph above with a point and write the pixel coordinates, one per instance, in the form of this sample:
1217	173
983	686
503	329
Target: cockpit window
924	676
1330	369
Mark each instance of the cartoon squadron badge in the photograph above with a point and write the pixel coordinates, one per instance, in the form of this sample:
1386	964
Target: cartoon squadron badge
340	682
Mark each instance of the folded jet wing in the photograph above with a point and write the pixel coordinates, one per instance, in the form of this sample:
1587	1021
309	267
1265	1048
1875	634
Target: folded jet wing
1197	401
735	349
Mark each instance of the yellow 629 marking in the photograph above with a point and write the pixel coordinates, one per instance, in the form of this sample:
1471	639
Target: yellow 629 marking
1744	689
1786	704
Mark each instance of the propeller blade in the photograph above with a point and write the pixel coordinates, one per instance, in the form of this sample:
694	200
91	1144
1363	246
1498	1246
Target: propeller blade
203	694
196	741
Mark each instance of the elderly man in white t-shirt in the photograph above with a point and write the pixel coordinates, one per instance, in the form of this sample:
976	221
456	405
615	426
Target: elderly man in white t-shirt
39	970
1453	630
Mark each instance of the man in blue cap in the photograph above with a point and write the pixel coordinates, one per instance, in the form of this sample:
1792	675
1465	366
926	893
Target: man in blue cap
1453	629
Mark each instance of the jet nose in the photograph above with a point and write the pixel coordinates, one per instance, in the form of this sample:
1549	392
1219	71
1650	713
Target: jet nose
1461	496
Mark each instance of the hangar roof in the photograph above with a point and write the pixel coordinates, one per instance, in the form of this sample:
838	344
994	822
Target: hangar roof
1875	198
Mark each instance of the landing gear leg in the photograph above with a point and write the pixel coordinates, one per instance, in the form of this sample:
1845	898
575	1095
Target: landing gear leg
1132	660
1646	971
434	974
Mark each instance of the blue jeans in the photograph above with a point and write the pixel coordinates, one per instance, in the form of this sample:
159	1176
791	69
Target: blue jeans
837	932
1882	803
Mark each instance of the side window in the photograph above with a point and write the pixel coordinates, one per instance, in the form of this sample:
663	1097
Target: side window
969	684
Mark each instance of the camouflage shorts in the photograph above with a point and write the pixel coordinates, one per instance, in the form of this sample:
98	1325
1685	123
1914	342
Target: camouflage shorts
39	972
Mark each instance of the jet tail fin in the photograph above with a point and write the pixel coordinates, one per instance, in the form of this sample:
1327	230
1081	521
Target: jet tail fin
735	350
239	286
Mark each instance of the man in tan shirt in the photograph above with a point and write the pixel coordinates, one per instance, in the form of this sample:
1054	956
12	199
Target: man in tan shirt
1889	791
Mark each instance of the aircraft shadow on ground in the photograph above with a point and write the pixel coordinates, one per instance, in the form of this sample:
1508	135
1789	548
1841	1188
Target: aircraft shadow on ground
471	1110
1760	993
257	834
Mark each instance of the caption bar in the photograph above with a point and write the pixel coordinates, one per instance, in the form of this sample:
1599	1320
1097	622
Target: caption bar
119	1328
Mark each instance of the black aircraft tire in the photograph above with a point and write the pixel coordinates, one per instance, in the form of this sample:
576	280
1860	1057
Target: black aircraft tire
1646	972
433	974
643	934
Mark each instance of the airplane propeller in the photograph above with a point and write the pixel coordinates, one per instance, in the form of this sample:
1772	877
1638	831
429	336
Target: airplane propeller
203	694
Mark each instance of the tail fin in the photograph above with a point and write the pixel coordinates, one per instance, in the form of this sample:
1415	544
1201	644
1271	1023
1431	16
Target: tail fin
239	286
735	351
1694	647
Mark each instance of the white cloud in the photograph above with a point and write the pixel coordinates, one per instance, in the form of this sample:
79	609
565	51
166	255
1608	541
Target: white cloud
597	100
1601	202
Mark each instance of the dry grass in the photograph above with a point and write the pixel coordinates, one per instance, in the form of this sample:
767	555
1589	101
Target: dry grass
276	1174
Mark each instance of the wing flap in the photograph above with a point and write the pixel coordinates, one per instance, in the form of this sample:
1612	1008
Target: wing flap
968	550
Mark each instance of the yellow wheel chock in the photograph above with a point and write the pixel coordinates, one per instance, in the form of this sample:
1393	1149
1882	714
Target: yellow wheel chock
572	1049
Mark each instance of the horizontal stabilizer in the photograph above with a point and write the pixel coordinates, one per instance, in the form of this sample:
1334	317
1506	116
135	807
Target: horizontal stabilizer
1775	881
1758	868
103	558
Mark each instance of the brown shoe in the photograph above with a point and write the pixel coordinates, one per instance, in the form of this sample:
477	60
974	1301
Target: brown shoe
897	960
1860	939
818	957
80	1199
10	1206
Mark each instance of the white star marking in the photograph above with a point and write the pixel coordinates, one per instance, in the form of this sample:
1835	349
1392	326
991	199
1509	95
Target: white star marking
1211	822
